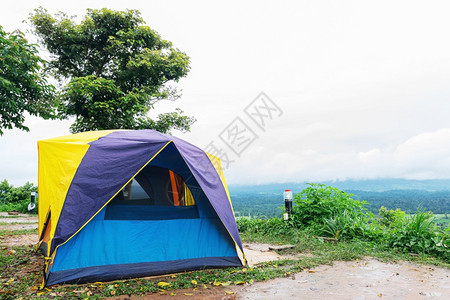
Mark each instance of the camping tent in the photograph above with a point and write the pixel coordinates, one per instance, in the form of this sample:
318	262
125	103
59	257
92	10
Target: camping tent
121	204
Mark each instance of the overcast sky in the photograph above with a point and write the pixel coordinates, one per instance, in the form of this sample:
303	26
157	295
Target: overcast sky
353	89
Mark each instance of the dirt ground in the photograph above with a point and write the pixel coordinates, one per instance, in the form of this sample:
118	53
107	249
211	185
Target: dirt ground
364	279
18	222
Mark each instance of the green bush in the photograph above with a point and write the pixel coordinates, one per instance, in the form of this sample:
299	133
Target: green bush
16	198
331	212
318	202
348	226
20	206
390	217
418	234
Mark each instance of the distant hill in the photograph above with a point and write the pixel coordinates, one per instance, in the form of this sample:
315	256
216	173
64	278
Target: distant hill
373	185
408	195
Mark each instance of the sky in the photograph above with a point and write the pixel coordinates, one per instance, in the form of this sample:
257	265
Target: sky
290	91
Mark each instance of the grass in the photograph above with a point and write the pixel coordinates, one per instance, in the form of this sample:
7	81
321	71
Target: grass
17	232
14	223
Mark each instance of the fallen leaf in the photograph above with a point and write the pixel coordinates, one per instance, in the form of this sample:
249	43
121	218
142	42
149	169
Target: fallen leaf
188	294
226	283
40	293
217	283
239	282
34	288
163	284
173	276
113	292
251	281
229	292
380	295
173	294
311	271
193	281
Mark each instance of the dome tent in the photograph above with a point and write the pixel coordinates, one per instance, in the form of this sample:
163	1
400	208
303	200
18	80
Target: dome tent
121	204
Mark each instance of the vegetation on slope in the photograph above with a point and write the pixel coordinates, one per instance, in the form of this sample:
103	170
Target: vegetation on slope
325	211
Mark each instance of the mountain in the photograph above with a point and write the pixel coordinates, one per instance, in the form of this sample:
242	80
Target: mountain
371	185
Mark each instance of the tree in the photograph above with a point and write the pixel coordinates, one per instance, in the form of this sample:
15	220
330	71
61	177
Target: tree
116	67
23	85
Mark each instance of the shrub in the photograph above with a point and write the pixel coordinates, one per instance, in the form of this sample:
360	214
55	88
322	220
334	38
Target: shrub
390	217
347	226
16	198
318	203
418	234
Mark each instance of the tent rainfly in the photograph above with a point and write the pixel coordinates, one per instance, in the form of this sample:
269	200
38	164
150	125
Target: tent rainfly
122	204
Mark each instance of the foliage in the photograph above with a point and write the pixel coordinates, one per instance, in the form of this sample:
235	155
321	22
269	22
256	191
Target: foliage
417	234
272	226
117	68
11	194
347	226
318	203
442	220
16	198
23	85
406	200
390	217
328	212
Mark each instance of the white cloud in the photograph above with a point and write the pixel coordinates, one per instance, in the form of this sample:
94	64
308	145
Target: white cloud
426	155
363	86
369	155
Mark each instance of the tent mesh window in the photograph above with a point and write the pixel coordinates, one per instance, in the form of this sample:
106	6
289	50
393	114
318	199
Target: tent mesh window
155	192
